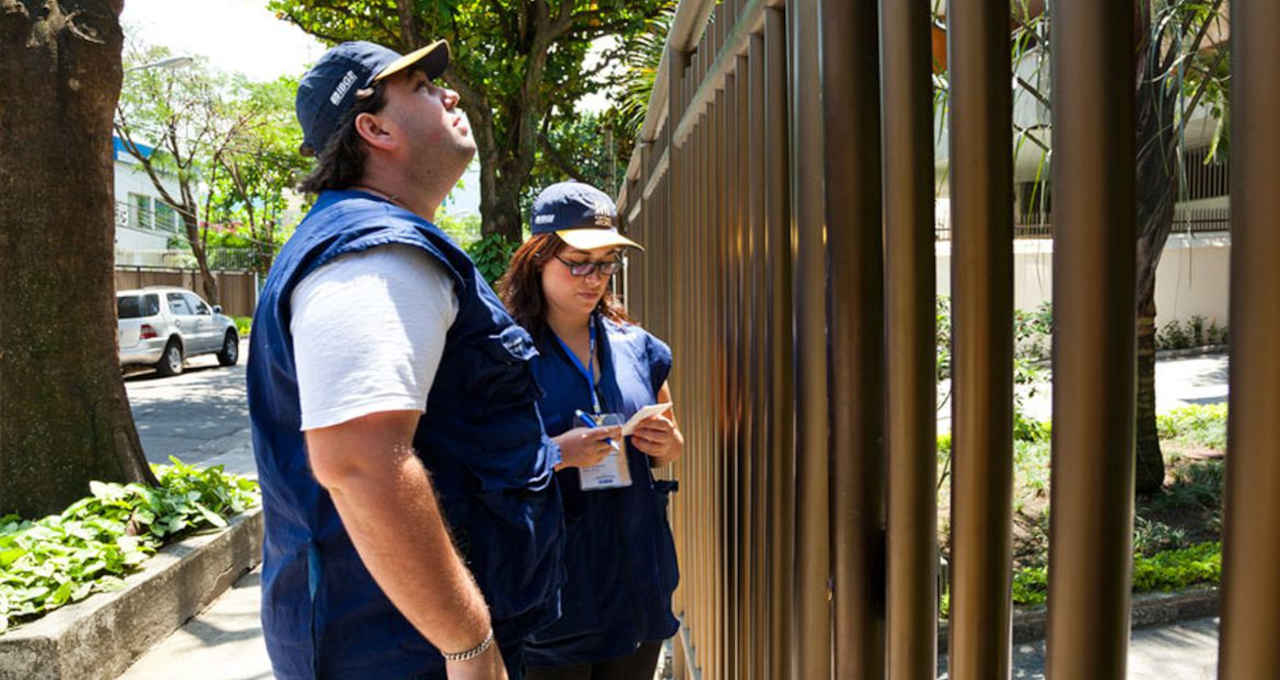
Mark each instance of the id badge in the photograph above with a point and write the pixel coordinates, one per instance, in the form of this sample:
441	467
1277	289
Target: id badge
612	472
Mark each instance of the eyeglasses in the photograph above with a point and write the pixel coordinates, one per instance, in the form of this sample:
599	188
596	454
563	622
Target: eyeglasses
606	267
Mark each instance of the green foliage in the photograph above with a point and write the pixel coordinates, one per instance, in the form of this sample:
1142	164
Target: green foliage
98	540
1151	536
229	144
942	335
588	147
463	229
1174	569
1173	336
1196	425
519	71
492	254
243	324
1197	486
1193	333
1168	570
249	206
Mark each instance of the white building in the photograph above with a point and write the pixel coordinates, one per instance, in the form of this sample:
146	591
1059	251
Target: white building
146	226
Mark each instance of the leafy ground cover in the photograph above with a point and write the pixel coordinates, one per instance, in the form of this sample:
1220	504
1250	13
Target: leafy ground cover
95	542
1177	532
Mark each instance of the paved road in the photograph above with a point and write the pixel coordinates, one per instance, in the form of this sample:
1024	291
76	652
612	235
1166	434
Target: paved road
195	416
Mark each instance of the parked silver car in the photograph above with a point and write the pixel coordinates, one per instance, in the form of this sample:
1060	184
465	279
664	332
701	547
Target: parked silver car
161	325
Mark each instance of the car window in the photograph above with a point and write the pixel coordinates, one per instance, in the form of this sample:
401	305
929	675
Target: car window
137	306
198	304
178	305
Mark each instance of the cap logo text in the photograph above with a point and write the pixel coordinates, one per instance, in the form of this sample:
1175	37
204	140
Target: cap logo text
341	90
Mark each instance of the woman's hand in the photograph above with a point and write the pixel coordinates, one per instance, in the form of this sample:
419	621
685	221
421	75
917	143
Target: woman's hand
586	446
659	438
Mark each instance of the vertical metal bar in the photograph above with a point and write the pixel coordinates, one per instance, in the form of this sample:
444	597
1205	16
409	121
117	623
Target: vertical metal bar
1251	592
1094	346
855	331
781	386
811	629
907	120
757	354
735	330
746	323
982	354
714	325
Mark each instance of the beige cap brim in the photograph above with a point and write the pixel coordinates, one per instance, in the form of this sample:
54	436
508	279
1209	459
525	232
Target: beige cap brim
590	239
434	58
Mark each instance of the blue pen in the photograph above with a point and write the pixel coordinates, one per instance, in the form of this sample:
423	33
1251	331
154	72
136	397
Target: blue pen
586	420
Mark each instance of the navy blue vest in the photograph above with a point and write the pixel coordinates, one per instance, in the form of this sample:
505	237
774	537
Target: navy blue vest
620	559
481	438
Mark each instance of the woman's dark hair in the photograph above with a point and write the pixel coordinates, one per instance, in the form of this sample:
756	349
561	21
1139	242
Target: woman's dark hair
341	163
521	286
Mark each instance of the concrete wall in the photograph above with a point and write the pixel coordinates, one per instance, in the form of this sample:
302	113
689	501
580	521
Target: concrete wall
1192	279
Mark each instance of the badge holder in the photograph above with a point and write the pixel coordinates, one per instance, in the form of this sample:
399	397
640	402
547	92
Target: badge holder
612	472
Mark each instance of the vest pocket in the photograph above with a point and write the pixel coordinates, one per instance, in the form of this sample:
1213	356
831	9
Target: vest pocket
500	371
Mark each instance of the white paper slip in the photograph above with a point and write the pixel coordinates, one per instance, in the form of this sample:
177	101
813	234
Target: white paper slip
612	472
643	414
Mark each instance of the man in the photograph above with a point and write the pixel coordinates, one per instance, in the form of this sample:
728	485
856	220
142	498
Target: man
392	404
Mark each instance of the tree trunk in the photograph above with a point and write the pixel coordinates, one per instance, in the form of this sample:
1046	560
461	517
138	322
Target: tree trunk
208	283
500	212
64	413
1157	183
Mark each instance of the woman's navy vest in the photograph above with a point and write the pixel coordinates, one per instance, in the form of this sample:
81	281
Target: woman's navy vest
481	438
620	559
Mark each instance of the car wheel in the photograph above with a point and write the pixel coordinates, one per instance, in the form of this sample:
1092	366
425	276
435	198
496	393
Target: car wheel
230	352
171	361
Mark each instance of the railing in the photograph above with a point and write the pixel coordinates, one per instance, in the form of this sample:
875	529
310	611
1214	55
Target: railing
1187	221
786	201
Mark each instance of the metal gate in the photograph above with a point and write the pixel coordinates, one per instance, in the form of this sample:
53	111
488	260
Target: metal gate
784	188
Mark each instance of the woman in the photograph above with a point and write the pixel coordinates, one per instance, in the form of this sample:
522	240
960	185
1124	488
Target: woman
620	559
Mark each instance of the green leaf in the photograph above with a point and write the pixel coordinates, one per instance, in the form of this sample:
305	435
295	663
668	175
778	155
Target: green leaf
60	596
8	557
212	517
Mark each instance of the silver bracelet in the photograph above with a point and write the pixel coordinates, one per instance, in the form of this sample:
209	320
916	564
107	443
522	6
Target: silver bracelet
471	653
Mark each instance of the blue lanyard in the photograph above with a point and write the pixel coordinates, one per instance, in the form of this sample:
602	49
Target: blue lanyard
588	371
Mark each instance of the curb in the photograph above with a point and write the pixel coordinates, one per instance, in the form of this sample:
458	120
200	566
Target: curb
1191	352
100	637
1147	609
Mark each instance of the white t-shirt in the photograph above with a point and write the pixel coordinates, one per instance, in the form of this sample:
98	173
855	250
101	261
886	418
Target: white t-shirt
368	332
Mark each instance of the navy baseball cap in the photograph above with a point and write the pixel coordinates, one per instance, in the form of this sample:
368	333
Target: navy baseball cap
328	91
581	215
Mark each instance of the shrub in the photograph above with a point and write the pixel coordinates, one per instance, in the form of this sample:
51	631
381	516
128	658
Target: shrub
1197	425
1168	570
492	254
1173	336
1195	328
243	324
1216	335
99	539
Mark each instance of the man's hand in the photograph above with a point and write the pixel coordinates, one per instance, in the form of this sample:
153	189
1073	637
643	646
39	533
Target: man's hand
487	666
586	446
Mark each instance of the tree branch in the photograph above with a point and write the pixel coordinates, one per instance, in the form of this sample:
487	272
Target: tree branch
560	161
408	25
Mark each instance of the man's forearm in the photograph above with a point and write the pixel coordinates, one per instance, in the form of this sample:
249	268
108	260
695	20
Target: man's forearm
389	510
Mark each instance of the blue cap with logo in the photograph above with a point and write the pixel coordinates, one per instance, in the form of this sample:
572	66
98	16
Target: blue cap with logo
581	215
328	91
